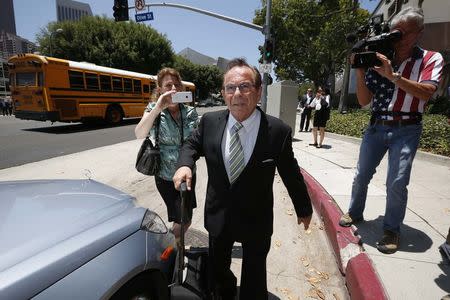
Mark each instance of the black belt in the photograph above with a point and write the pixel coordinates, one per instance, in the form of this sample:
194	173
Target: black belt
398	123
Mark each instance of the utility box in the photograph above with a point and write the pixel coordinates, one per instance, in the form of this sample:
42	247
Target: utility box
282	100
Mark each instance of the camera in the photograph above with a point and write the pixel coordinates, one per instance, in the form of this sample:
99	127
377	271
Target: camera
382	42
182	97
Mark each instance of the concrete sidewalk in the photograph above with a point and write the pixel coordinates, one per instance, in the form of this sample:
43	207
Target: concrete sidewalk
417	270
301	265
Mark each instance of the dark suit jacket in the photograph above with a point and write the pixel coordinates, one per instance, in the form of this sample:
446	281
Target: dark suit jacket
245	208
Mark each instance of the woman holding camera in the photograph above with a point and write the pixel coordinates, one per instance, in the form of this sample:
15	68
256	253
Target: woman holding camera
175	122
321	104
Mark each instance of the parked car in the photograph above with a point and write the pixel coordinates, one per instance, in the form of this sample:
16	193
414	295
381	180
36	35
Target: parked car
80	239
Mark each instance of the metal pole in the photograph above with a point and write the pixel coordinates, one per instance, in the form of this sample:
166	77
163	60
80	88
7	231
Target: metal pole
208	13
51	38
264	29
59	30
266	37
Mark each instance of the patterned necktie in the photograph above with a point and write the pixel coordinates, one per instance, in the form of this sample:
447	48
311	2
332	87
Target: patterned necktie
236	160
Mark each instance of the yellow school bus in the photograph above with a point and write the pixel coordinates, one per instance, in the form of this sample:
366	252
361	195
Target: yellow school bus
52	89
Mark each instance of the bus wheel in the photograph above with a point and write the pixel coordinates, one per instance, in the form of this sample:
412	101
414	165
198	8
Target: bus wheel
113	115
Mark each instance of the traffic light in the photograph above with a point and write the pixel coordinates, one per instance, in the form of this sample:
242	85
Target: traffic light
120	9
261	51
268	51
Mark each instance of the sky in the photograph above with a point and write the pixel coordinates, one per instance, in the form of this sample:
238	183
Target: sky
184	28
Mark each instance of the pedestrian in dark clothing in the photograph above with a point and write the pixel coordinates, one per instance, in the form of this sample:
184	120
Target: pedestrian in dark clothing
305	116
8	107
3	106
242	147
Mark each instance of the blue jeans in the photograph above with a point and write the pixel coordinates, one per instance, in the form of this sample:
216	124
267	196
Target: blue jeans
401	144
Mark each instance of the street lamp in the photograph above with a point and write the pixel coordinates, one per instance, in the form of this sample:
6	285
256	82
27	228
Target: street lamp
59	30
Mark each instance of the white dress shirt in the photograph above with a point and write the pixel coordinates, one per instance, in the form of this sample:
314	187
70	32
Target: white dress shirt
247	136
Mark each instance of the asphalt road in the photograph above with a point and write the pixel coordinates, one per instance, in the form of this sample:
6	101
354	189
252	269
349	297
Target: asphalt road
24	141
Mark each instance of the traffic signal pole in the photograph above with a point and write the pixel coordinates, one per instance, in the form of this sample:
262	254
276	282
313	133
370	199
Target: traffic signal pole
267	38
264	29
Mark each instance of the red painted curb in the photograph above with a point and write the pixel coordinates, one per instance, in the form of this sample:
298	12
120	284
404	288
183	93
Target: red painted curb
363	280
360	276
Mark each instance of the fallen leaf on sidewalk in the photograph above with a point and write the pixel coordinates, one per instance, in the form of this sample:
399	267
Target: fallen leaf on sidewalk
316	294
320	294
277	244
289	212
314	280
324	275
305	261
287	292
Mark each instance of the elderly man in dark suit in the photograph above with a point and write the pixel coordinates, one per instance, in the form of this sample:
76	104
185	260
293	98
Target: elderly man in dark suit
242	147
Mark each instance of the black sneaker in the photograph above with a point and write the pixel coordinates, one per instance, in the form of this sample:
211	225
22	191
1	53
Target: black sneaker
389	242
346	220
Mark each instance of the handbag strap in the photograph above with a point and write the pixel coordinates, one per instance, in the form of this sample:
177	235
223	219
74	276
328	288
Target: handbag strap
158	121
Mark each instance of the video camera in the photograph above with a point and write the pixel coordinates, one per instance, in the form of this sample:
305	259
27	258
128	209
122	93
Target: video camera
381	42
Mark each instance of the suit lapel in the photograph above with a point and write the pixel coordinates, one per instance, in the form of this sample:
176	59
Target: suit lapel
221	125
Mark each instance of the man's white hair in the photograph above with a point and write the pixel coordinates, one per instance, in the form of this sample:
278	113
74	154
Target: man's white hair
409	14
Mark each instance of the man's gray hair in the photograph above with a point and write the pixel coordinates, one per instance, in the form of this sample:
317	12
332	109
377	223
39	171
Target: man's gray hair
409	14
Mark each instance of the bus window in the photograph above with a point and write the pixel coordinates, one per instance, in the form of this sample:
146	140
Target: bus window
76	80
26	79
12	79
146	88
127	85
117	84
137	86
92	81
105	82
152	86
40	79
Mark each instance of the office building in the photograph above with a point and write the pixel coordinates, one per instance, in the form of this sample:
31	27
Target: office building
7	22
11	44
69	10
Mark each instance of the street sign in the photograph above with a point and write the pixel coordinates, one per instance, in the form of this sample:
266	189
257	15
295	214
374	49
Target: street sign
139	4
265	68
144	17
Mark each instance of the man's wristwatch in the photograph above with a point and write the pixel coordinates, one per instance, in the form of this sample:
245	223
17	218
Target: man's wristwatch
395	77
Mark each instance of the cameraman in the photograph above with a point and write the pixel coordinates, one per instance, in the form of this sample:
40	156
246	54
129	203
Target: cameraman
398	90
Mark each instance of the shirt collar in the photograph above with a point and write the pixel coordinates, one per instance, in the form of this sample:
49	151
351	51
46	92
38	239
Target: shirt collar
417	52
246	123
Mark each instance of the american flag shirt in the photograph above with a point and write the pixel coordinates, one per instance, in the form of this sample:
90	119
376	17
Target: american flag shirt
389	101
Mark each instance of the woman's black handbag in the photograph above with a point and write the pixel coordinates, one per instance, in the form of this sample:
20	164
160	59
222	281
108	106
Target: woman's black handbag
148	158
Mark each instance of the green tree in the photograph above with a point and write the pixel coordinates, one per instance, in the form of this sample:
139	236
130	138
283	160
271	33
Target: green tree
310	36
99	40
207	79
